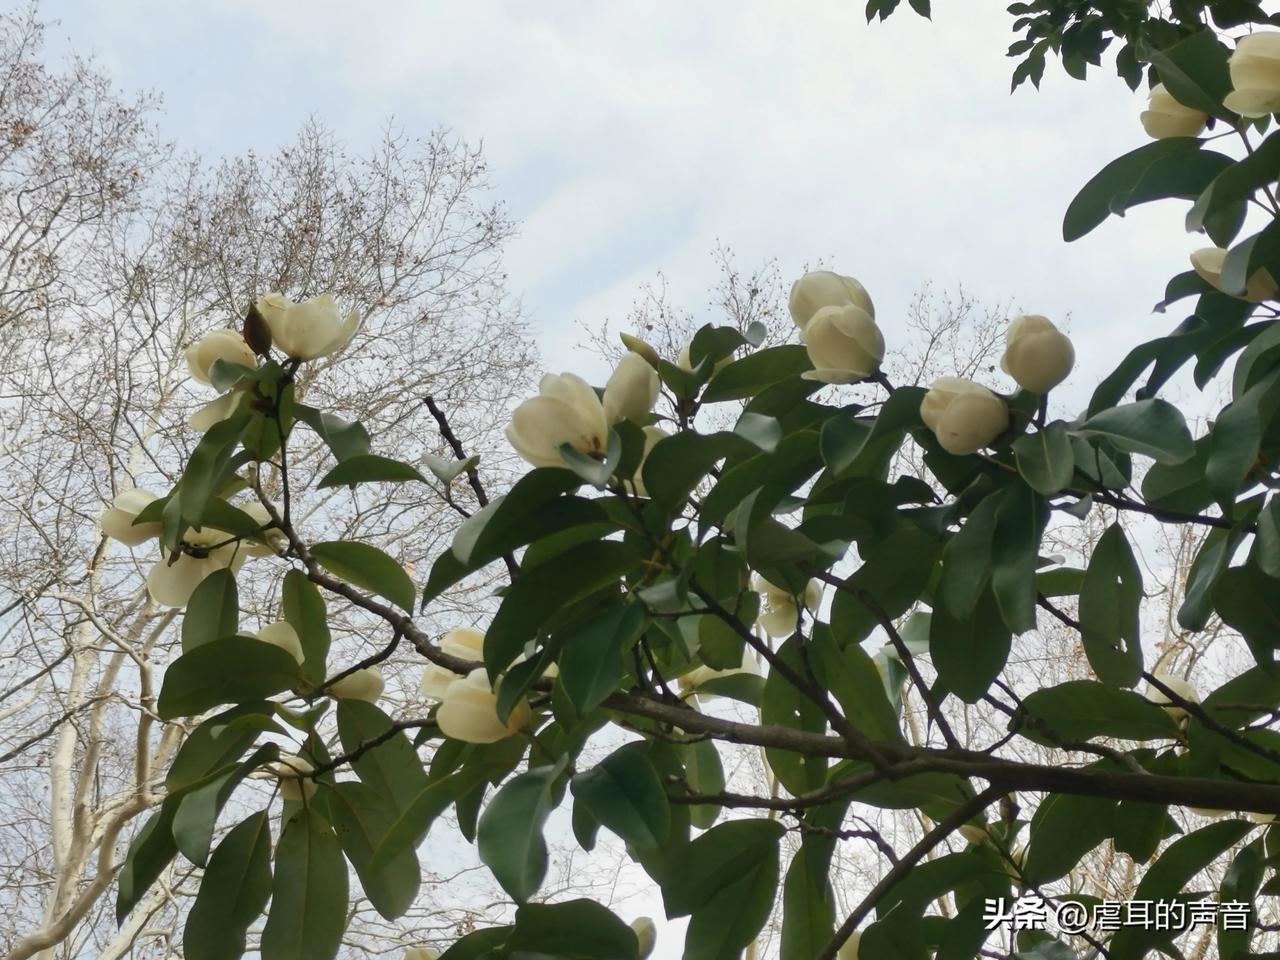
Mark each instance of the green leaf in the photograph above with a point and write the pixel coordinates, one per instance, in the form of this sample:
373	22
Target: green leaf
1237	183
728	886
1210	562
233	893
308	893
206	466
591	658
969	654
676	465
1266	546
852	678
150	852
412	824
1249	601
509	835
1154	428
217	742
198	808
573	930
808	902
786	706
1020	518
1177	866
304	610
966	559
367	567
894	574
509	521
624	793
361	818
392	769
1045	459
213	611
1109	611
1195	72
447	471
1240	885
1109	187
346	440
751	374
230	670
544	590
847	444
705	775
1063	829
369	468
483	944
1080	710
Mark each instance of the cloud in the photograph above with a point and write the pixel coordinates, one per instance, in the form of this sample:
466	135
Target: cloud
632	137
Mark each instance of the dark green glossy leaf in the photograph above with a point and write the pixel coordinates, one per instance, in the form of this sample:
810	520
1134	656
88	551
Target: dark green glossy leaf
213	611
369	468
1109	608
509	835
230	670
367	567
308	892
233	893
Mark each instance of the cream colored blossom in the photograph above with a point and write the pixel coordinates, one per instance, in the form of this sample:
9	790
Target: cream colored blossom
844	344
281	634
469	711
1208	262
566	410
308	330
779	613
1255	75
963	415
364	684
225	345
823	288
117	519
1037	354
1166	117
631	391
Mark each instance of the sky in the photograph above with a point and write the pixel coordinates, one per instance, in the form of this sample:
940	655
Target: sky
627	138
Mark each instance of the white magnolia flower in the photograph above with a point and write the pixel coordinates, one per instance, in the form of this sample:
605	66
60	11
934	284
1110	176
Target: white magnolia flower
963	415
464	642
307	330
652	434
1180	687
566	410
469	711
779	613
117	519
849	949
220	345
1166	117
1037	354
215	411
823	288
972	832
632	390
276	539
172	584
638	346
282	635
691	681
685	362
292	772
844	344
1208	262
365	684
421	953
1255	75
646	934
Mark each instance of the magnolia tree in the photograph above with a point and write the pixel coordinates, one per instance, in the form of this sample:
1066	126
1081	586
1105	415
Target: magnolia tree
651	566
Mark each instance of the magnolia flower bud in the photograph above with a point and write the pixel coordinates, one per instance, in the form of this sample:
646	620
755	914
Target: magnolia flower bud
638	346
973	833
292	772
219	345
282	635
632	390
1166	117
963	415
685	362
844	344
117	519
365	684
215	411
566	410
779	613
691	681
1255	75
1208	262
1180	687
307	330
1037	354
465	642
1261	817
171	584
849	949
822	288
652	434
647	935
469	711
275	538
421	953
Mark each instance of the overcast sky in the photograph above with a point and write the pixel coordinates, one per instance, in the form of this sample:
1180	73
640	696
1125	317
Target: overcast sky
631	137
